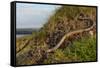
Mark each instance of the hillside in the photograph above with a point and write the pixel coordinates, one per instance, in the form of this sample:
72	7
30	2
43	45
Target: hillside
77	47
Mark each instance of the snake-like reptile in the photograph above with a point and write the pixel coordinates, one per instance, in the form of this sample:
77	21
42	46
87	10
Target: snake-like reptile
39	53
67	35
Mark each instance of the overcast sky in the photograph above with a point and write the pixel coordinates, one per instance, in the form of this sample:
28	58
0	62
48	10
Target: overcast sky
33	15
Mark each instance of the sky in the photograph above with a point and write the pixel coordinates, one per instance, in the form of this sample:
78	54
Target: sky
33	15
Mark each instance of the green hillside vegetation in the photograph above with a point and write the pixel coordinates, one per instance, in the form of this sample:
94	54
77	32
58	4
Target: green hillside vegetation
31	49
79	51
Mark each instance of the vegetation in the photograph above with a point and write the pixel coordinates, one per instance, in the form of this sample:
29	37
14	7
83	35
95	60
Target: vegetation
63	21
79	51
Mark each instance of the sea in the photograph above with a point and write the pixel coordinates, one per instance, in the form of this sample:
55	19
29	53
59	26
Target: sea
22	35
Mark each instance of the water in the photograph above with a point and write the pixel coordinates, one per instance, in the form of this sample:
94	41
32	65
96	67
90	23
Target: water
22	35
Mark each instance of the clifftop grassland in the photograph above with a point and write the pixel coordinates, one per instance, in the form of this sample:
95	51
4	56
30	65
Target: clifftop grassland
77	47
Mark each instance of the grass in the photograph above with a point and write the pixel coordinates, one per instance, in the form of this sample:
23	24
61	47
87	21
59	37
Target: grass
80	50
65	13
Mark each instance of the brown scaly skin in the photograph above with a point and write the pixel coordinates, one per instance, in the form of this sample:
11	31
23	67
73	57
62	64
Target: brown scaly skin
90	29
68	35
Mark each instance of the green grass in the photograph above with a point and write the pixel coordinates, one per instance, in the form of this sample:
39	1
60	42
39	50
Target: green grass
83	49
80	50
65	13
